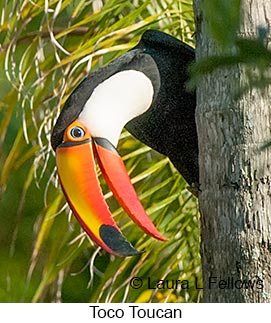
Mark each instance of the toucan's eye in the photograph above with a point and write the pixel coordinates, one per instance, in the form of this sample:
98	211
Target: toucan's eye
77	132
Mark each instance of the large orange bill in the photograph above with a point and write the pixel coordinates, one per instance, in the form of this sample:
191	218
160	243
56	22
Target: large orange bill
115	174
79	181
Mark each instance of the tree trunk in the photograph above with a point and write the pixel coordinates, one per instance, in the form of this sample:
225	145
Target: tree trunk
235	174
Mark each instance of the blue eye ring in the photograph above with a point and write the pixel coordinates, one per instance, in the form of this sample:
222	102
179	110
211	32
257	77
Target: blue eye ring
77	132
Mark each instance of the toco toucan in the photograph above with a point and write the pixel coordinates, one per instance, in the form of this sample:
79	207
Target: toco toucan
145	91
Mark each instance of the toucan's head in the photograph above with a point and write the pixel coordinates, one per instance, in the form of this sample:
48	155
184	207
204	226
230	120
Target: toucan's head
88	130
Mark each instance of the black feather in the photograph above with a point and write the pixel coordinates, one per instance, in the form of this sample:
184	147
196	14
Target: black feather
169	125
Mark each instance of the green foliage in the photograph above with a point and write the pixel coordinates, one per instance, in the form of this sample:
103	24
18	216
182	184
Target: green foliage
251	53
223	20
47	47
232	49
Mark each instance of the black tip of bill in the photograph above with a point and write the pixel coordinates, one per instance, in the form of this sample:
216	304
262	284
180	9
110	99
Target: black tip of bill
116	241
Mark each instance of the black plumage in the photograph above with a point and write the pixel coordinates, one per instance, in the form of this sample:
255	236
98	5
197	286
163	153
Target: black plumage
169	124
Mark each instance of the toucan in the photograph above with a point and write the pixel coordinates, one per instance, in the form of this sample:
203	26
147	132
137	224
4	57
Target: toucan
145	91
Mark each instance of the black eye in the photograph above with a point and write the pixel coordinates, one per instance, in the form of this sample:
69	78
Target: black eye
77	132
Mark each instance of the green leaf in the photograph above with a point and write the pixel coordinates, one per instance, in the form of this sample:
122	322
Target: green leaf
223	20
46	49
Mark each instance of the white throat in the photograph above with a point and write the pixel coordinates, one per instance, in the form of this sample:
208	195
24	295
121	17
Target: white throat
114	102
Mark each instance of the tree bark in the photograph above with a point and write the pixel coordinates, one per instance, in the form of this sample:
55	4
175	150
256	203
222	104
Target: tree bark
235	174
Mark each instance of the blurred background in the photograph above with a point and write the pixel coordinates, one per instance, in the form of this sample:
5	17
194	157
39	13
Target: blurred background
46	48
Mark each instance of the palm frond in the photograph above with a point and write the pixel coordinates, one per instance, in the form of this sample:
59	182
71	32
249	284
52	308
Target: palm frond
47	47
